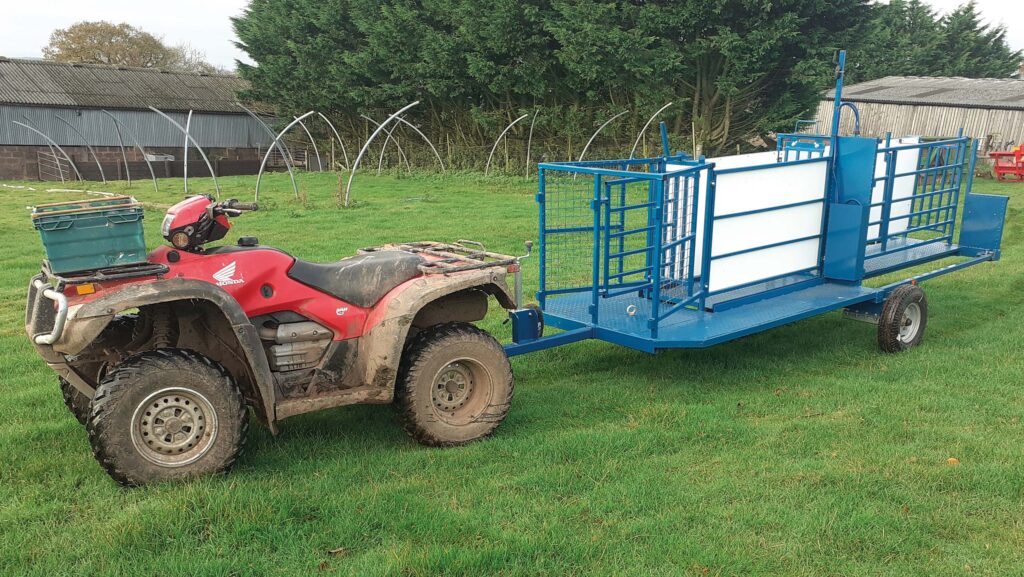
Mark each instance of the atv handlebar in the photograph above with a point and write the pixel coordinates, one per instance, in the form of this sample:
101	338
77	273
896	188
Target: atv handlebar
233	204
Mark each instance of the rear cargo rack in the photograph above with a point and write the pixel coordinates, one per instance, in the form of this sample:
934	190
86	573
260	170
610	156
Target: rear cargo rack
452	257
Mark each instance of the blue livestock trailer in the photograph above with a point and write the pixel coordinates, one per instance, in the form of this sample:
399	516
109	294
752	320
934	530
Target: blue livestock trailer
682	252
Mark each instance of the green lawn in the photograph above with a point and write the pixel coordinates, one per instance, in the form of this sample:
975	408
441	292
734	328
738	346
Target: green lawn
801	451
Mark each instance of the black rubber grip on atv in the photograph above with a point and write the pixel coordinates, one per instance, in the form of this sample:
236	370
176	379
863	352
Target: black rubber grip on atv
242	205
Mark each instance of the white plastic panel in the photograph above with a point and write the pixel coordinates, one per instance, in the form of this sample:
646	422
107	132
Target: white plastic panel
754	266
777	184
751	231
903	186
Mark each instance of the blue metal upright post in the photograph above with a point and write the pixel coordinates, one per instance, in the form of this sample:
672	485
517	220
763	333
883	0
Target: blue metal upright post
596	270
542	248
659	225
709	223
837	108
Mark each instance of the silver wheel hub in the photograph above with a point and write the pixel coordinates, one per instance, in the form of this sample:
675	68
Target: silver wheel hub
910	324
452	387
174	427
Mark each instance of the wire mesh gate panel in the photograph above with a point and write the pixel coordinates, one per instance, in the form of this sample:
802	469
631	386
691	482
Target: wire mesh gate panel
623	230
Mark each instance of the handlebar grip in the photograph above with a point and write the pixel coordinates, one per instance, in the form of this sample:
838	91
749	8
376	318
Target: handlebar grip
241	205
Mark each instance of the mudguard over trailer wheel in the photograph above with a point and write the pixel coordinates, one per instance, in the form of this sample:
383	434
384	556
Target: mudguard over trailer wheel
167	414
903	320
454	385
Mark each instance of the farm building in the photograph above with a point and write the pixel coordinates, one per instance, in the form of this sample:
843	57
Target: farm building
988	109
77	104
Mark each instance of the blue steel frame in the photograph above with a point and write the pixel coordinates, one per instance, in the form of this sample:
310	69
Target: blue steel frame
669	289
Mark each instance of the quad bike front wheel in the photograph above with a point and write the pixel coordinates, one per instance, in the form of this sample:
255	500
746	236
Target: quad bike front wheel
75	401
454	385
167	414
903	320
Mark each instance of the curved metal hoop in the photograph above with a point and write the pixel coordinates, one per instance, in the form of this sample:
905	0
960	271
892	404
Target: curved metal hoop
337	136
644	129
389	138
188	129
135	139
87	145
589	142
316	151
263	164
50	140
366	145
487	167
285	155
194	143
424	136
529	143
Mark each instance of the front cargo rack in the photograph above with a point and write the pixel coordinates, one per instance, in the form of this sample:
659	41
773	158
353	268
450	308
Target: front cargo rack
451	257
106	274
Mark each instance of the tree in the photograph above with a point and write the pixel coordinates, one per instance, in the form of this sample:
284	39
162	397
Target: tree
968	47
733	69
906	38
121	45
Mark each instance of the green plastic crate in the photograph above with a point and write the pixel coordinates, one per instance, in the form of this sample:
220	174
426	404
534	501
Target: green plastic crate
91	234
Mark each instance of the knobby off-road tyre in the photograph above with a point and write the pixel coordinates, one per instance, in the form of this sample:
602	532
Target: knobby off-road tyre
903	320
117	334
76	402
167	414
454	385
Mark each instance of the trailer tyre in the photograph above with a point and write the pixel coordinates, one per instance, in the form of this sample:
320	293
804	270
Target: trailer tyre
454	385
75	401
164	415
903	320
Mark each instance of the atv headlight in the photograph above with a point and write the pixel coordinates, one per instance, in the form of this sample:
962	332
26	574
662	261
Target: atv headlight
165	226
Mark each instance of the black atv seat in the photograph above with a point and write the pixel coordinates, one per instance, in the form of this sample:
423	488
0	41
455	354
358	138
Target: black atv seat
362	279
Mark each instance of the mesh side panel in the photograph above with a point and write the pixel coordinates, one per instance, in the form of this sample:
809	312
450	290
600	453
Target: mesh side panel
643	243
568	234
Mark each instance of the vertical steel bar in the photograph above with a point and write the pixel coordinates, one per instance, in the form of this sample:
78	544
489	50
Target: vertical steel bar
890	183
542	259
596	270
709	223
691	217
606	261
658	223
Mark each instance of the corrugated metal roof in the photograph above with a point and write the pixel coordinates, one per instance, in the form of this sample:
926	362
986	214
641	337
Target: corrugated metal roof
44	83
988	93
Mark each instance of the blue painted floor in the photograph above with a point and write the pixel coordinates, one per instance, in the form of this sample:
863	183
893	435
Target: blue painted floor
623	319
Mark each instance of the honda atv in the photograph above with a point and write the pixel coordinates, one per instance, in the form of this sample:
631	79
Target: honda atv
160	359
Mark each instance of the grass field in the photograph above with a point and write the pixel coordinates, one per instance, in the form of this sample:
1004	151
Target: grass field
800	452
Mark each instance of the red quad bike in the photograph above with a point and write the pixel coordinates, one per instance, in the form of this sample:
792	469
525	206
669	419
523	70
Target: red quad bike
160	360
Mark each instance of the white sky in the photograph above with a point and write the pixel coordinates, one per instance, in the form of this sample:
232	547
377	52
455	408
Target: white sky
25	25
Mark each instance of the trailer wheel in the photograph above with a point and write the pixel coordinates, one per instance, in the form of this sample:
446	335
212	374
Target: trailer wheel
454	385
166	414
75	401
903	320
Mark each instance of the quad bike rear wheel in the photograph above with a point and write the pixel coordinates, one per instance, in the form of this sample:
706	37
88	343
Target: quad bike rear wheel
454	385
167	414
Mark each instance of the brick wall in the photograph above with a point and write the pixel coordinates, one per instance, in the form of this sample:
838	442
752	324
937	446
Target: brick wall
21	162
